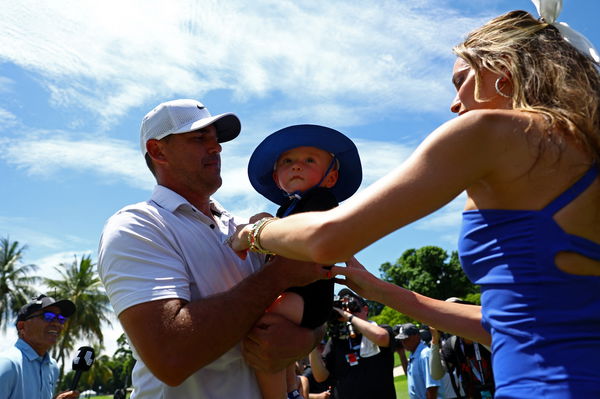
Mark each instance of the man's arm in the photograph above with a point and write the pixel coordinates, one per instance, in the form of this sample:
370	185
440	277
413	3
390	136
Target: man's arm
175	338
317	364
376	334
275	342
431	393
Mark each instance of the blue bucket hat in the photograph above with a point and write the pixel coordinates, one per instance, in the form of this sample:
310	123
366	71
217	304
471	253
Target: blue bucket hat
264	157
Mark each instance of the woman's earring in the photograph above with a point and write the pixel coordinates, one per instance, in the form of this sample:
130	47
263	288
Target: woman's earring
498	89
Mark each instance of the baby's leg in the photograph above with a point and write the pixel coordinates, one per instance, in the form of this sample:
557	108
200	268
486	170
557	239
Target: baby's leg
275	385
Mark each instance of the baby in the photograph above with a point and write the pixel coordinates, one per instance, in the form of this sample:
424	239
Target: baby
303	168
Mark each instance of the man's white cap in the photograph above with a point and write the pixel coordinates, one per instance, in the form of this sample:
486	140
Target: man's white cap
183	116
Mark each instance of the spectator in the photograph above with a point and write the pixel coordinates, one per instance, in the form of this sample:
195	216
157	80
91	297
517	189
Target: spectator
359	355
467	363
318	390
165	264
420	383
27	371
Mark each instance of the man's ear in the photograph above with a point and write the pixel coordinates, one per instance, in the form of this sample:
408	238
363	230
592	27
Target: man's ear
20	325
330	179
155	151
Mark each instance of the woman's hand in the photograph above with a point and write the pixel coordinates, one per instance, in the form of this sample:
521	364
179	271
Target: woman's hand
358	278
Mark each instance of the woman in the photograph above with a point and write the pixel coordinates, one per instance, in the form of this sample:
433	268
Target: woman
525	146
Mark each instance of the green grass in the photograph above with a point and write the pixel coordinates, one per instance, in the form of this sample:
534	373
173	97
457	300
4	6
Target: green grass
399	383
401	387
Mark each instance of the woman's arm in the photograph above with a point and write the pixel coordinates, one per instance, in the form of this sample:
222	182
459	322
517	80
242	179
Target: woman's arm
455	318
458	154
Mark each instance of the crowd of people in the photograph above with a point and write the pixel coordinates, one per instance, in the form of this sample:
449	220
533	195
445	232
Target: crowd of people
215	307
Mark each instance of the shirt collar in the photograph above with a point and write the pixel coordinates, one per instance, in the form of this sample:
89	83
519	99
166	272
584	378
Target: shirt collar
171	201
29	352
418	349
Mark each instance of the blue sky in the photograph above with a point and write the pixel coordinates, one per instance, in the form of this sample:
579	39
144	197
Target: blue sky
76	78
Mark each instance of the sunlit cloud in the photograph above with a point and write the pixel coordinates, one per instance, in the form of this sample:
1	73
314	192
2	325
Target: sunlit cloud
109	57
110	159
447	218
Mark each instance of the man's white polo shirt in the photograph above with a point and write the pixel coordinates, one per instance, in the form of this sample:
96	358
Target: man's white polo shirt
166	248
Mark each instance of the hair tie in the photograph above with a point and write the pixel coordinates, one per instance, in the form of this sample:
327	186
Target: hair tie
549	11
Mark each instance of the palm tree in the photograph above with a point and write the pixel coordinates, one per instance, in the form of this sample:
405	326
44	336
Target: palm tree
80	283
15	281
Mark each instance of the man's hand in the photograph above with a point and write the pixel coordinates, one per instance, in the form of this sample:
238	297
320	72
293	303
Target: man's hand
344	315
275	342
68	395
298	273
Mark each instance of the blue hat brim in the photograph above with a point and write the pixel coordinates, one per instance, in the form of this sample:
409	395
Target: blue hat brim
262	160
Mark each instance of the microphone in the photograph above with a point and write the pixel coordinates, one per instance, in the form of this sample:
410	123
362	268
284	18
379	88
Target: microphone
82	362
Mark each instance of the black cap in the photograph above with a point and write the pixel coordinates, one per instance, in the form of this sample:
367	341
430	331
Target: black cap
347	292
406	330
67	308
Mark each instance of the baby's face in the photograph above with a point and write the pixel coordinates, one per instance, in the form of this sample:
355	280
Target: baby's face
301	168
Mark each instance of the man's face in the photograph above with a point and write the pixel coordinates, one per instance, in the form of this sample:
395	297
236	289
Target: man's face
411	343
40	334
193	159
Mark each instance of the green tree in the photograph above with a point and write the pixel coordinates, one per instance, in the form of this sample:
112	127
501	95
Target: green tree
391	317
430	271
80	283
99	375
15	281
124	356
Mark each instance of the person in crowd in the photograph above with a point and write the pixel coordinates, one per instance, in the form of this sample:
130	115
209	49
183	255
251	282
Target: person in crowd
525	146
359	355
27	371
421	385
303	168
467	363
400	349
318	390
164	264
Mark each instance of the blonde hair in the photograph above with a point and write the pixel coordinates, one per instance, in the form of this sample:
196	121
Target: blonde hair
548	75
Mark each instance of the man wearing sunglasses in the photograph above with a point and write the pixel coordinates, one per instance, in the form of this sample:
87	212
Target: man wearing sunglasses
26	370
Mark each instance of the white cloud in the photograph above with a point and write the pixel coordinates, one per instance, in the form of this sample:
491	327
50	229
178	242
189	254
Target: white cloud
446	218
22	230
111	56
110	159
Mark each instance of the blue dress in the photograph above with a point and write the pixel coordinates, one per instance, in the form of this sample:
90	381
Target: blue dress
545	323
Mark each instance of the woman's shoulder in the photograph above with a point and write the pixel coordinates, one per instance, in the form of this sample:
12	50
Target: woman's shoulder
493	122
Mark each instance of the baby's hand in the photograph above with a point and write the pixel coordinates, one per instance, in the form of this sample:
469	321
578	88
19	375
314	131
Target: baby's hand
258	216
237	242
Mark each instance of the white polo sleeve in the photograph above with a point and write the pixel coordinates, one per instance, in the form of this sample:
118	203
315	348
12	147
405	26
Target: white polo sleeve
139	260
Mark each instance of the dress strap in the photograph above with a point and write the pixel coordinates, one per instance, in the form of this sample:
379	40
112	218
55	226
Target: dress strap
572	192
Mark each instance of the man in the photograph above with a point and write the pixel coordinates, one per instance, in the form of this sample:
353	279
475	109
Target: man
359	355
183	297
27	371
420	383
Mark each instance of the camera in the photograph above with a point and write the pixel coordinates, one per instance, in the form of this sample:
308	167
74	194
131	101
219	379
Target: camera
347	303
335	327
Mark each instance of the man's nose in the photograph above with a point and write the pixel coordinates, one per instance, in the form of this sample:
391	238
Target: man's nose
215	147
